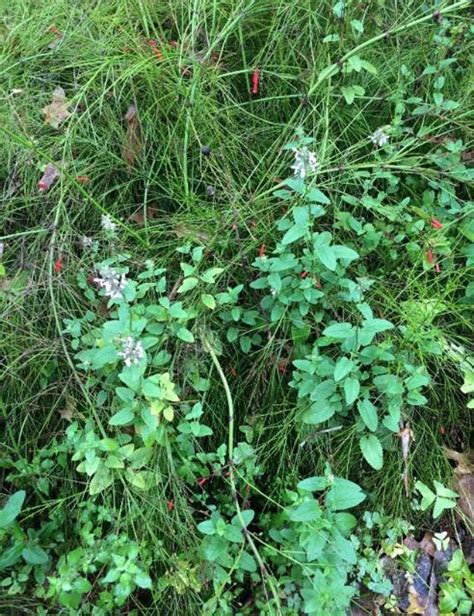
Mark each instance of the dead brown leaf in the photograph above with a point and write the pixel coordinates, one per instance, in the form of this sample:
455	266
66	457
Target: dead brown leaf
133	145
56	112
53	29
148	212
69	409
50	174
406	437
464	480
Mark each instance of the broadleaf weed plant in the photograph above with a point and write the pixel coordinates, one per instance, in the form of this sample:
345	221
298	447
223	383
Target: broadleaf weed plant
236	299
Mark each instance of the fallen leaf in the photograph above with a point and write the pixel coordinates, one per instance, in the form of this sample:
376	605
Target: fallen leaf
83	179
53	29
463	482
406	436
133	146
147	212
68	411
56	112
50	174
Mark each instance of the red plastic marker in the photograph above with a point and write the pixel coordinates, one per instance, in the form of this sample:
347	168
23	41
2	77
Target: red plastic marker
436	224
59	264
255	81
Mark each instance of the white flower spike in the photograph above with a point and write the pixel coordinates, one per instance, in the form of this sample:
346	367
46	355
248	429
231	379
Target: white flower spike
132	351
305	162
379	138
112	282
107	223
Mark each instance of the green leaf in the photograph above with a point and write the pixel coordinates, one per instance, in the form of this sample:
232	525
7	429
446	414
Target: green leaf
188	284
428	497
320	411
344	494
313	484
339	331
207	527
349	94
184	334
367	66
247	515
306	512
211	274
441	504
121	418
214	547
208	301
34	555
325	254
344	548
100	481
12	508
342	369
10	556
294	233
441	490
143	580
351	390
368	412
136	478
372	451
316	196
247	562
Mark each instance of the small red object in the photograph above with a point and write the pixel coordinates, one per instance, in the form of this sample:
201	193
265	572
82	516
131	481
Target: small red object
170	505
429	256
318	284
261	251
442	430
59	264
255	81
202	481
303	274
437	268
154	45
436	224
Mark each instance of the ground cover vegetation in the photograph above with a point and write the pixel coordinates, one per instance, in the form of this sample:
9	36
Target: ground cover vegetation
236	307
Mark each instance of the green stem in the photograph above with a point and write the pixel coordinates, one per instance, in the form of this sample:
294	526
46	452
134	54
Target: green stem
230	406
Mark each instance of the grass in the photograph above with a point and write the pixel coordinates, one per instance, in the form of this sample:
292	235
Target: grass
197	94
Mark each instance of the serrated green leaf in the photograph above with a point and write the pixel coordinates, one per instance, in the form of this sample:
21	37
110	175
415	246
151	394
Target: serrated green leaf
351	390
208	301
184	334
342	368
372	451
369	415
121	418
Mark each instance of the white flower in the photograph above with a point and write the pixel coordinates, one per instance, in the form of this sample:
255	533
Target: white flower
273	292
379	138
86	242
132	351
107	223
305	162
112	282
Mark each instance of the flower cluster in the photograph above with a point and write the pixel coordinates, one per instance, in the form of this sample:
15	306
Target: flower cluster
132	351
112	282
379	138
107	223
305	162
